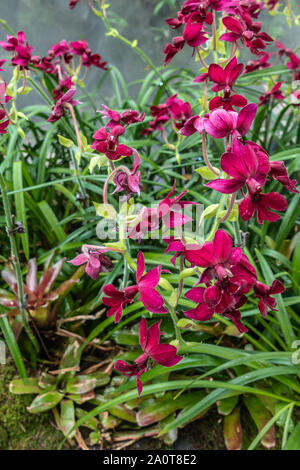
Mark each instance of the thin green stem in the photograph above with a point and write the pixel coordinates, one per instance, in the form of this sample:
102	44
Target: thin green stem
175	321
16	262
133	44
237	233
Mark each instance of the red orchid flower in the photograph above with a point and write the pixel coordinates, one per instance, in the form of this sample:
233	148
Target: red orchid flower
117	119
169	210
163	354
273	93
64	85
244	166
264	293
4	98
129	182
108	143
95	259
193	34
279	173
258	64
152	300
171	50
215	299
248	34
217	257
261	203
60	108
282	49
13	41
221	123
294	65
225	78
179	110
227	102
116	299
94	60
192	125
2	62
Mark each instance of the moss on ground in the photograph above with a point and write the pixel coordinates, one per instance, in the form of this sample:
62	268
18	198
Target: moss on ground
20	430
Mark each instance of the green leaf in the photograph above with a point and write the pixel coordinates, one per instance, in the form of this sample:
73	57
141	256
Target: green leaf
206	172
261	416
227	405
233	430
23	386
293	442
45	402
80	384
52	221
98	161
20	204
67	417
65	142
281	314
105	210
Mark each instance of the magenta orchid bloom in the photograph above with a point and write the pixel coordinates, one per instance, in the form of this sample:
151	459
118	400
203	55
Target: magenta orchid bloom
169	210
227	102
108	143
3	124
264	293
279	173
121	119
248	34
294	65
129	182
117	299
152	300
258	64
215	299
217	257
13	41
274	93
221	123
2	62
4	98
244	166
261	203
60	108
225	78
163	354
89	60
96	261
64	85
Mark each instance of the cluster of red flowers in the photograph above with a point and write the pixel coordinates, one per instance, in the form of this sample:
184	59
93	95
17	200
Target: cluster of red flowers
174	110
228	276
241	23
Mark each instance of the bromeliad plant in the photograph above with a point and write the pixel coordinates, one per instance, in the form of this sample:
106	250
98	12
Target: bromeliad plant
212	302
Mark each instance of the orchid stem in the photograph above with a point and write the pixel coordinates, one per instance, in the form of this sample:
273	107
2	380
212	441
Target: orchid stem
79	140
206	159
16	263
113	32
214	32
237	233
200	58
115	170
175	320
230	207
